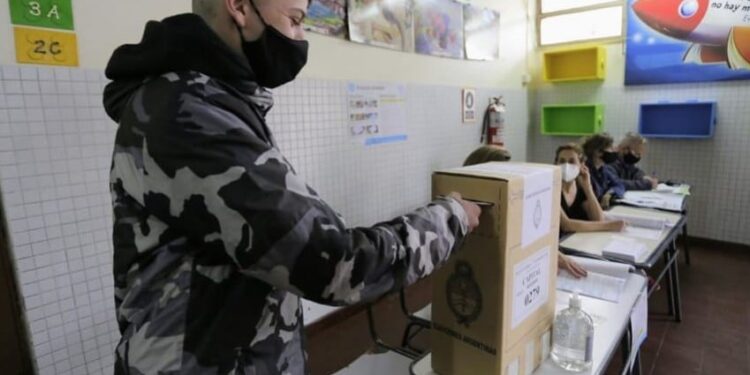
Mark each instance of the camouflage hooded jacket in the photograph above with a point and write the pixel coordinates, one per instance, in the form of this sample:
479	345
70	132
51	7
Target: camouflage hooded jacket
216	237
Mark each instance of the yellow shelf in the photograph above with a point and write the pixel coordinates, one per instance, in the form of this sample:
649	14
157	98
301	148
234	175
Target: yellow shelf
579	64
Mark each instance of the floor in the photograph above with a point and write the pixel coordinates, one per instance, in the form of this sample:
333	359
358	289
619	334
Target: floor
714	336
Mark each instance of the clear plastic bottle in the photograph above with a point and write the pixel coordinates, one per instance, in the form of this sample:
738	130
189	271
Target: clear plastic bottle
573	337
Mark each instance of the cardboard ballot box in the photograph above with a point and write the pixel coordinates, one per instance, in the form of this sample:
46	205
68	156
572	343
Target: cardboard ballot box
494	302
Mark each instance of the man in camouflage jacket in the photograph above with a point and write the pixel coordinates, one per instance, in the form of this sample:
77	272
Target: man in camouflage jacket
216	237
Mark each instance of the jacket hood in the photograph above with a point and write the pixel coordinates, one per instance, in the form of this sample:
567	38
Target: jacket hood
179	43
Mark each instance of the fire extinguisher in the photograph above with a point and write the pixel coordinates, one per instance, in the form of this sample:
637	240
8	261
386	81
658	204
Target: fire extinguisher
494	123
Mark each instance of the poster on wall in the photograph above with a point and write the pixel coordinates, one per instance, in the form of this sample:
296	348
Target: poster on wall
439	28
327	17
687	41
377	112
382	23
482	33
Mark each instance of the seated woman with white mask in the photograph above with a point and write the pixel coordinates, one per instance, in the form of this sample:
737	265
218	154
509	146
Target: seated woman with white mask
581	211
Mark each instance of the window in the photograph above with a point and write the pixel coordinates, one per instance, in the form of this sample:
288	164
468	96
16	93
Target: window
569	21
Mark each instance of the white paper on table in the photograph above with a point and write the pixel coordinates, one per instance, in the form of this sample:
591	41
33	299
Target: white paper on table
638	221
682	189
546	342
638	325
625	248
529	364
606	267
530	285
512	368
596	285
645	233
652	199
314	311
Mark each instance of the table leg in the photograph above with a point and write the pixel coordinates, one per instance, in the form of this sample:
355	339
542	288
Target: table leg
380	344
685	244
625	344
677	298
636	369
670	282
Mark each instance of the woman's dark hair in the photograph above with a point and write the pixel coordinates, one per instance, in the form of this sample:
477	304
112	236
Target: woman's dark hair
596	143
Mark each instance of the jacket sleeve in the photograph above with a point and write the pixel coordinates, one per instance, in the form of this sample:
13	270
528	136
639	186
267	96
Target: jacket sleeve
233	193
638	180
639	184
614	184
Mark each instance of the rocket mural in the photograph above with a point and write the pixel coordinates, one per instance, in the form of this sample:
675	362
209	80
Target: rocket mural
687	41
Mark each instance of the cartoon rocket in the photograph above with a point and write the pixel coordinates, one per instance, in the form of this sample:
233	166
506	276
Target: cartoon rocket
718	29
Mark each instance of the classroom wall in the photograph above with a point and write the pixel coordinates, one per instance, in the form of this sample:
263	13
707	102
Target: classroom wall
719	207
101	25
55	148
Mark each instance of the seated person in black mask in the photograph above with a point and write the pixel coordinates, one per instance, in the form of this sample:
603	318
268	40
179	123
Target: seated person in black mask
631	150
599	156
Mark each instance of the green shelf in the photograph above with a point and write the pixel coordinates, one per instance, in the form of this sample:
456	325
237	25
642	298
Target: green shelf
572	120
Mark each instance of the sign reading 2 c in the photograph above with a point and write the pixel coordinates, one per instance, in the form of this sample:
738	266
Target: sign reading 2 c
36	46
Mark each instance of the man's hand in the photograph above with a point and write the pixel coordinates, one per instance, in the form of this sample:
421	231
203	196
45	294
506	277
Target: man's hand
575	269
472	210
653	180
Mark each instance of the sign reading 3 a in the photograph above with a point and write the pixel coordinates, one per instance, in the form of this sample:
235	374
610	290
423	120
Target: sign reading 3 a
54	14
36	46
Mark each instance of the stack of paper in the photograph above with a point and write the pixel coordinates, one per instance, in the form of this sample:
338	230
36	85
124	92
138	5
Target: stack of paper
645	233
678	189
605	280
639	226
625	249
654	199
638	221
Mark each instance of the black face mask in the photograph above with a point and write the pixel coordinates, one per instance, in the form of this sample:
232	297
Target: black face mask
609	157
275	58
631	159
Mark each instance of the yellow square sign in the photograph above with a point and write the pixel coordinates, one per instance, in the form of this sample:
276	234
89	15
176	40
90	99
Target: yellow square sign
37	46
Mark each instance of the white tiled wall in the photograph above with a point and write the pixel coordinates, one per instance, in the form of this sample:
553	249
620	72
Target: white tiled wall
55	146
55	149
717	169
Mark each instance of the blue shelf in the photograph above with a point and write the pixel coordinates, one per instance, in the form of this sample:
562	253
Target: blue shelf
692	120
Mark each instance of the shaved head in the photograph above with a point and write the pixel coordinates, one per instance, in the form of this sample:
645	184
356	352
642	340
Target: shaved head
205	8
225	17
209	9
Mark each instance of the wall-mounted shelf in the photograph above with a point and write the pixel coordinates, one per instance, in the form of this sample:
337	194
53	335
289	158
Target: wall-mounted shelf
693	119
579	64
572	120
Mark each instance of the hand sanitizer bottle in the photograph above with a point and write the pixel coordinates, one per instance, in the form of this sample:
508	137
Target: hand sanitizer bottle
573	337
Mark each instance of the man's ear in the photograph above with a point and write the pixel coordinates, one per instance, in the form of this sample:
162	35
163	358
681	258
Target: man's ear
237	10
